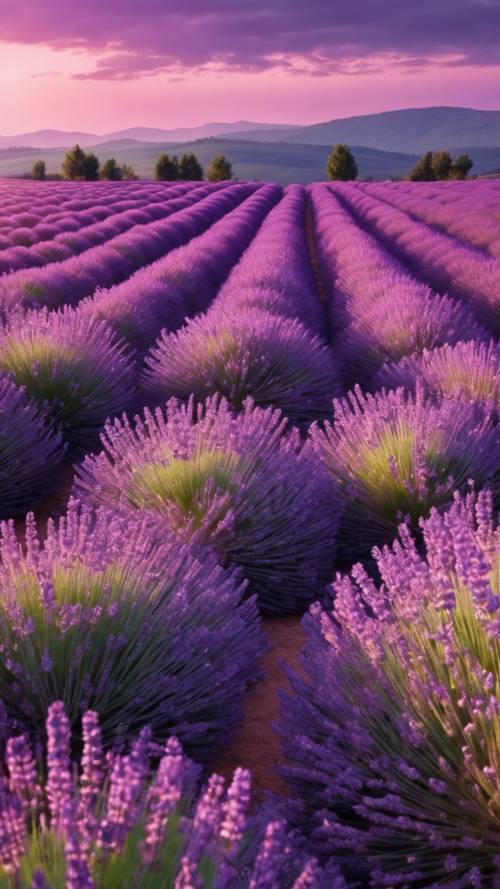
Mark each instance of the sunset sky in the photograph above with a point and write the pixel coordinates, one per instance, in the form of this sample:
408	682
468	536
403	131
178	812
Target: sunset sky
101	65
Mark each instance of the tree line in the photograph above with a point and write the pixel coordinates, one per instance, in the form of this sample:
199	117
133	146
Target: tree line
433	166
341	165
85	166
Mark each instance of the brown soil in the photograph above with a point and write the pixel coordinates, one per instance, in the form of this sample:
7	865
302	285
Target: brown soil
255	745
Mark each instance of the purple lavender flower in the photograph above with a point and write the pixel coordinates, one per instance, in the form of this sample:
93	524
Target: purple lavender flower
392	737
468	371
30	452
232	482
76	369
69	281
249	352
442	261
141	628
182	283
395	455
378	310
153	828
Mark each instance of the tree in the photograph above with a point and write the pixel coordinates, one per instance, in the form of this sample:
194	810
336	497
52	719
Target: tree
441	164
78	165
73	166
461	167
39	170
341	163
190	168
423	171
220	169
91	167
128	172
111	170
166	168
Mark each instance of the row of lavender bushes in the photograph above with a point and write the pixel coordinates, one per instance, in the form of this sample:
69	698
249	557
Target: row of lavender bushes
204	471
390	732
89	607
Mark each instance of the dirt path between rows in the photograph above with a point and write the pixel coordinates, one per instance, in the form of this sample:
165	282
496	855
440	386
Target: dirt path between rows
255	745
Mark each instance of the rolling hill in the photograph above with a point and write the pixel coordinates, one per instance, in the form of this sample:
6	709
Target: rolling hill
411	130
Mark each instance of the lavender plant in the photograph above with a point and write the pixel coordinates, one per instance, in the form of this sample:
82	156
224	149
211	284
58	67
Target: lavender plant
75	368
393	737
251	352
116	822
395	455
109	612
469	371
30	452
232	482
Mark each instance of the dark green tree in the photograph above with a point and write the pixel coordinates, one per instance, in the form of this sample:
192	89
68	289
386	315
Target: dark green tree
341	164
441	164
129	172
74	166
110	170
166	168
220	169
423	171
39	170
91	167
190	168
461	167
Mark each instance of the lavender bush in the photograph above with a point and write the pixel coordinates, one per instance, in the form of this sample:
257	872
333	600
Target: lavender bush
249	352
469	371
75	368
393	736
395	455
116	822
109	612
30	452
233	482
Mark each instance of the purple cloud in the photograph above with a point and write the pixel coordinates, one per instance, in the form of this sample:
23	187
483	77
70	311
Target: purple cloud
135	38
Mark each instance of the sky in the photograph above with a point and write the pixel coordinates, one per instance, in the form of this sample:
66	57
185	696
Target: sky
102	65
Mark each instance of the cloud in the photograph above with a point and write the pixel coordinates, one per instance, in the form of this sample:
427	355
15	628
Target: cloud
140	38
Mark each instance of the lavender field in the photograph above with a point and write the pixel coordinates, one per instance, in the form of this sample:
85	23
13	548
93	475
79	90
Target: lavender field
226	410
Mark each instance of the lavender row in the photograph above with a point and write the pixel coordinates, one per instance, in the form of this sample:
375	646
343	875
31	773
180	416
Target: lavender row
78	371
69	195
183	282
70	281
473	218
58	224
43	212
378	310
68	237
442	261
261	337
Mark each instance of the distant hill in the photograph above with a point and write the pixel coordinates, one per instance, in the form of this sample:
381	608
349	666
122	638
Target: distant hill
280	162
412	130
64	139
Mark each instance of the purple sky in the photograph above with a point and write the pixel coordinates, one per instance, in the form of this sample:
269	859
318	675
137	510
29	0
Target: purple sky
104	64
